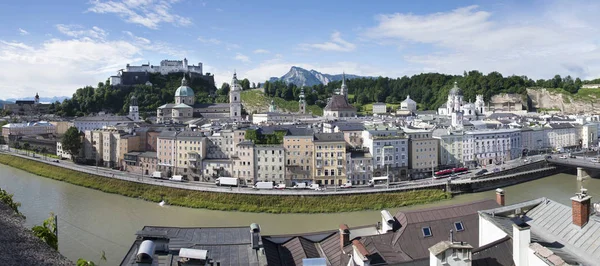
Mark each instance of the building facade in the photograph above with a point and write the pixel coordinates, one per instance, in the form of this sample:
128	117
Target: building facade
423	152
270	163
299	163
486	147
389	150
329	159
451	146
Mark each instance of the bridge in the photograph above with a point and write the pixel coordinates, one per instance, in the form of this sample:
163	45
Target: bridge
585	167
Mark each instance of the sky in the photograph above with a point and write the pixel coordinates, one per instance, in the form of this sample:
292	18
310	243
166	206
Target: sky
55	47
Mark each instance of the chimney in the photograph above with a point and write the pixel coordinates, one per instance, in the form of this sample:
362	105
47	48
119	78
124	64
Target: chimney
581	207
360	254
387	222
344	236
521	241
500	196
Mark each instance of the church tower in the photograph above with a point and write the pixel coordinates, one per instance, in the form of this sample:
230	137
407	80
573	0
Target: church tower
479	104
235	103
302	103
134	113
37	98
344	88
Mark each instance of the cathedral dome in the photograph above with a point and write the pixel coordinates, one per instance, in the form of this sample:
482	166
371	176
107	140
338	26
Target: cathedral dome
184	90
455	90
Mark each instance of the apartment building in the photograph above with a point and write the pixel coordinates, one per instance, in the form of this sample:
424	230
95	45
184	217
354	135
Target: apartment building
450	150
423	152
27	129
359	167
299	162
190	148
329	159
270	163
564	136
485	147
389	149
244	162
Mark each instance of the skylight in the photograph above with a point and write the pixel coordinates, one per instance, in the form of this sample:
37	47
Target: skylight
459	226
427	232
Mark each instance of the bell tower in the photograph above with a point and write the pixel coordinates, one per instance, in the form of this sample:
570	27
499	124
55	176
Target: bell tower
235	103
302	103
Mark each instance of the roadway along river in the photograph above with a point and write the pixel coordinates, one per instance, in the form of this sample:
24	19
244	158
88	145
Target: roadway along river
91	221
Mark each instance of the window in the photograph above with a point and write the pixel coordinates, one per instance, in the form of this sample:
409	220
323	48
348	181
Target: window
427	232
459	226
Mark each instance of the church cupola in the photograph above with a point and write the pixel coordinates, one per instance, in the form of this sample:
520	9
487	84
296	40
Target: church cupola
37	98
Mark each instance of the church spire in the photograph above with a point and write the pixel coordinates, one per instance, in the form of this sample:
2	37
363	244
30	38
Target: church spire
344	88
184	81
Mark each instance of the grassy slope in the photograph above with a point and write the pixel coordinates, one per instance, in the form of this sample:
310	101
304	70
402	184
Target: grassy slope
255	99
225	201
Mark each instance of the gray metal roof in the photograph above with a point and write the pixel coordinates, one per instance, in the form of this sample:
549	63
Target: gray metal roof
321	137
552	226
440	220
228	246
496	253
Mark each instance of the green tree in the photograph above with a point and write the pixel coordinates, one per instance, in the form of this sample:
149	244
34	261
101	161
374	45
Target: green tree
47	232
71	141
245	83
224	89
26	146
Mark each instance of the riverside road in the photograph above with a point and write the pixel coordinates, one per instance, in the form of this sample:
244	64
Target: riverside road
211	187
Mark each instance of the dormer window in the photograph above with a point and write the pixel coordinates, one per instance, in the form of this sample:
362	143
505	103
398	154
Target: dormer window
459	226
427	232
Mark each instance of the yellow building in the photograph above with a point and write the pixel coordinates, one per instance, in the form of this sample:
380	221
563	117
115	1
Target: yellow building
299	163
329	158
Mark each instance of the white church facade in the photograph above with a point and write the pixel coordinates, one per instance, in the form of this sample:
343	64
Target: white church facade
456	108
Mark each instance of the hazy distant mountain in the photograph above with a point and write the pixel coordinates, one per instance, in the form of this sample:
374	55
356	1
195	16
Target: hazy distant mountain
303	77
42	99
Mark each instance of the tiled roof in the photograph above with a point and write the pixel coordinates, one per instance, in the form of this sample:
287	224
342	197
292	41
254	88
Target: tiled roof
339	103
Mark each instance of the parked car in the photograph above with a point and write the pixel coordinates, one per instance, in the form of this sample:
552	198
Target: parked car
481	172
563	157
346	185
526	161
573	156
594	160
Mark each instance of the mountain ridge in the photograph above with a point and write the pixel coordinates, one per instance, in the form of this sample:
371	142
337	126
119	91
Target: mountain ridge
302	77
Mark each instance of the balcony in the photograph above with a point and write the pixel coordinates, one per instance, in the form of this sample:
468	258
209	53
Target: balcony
340	166
319	166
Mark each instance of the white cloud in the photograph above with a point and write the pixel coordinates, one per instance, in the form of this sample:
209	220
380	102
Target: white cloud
261	51
148	13
336	44
209	40
553	41
58	66
78	31
23	32
241	57
157	46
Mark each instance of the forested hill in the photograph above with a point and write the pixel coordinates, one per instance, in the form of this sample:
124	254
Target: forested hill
430	90
115	99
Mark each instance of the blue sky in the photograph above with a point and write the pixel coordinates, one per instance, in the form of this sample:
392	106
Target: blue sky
55	47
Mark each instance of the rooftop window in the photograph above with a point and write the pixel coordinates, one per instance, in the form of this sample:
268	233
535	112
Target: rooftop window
459	226
427	232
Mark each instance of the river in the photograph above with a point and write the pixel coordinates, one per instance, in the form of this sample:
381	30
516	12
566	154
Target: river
91	221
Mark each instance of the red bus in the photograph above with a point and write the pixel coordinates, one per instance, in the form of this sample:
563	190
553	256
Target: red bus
448	172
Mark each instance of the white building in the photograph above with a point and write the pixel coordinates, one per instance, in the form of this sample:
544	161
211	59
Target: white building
389	151
535	138
27	129
408	104
270	163
379	108
564	136
485	147
359	167
451	144
589	136
165	67
456	103
544	232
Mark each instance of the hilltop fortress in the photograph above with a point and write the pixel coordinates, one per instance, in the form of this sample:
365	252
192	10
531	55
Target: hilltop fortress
134	75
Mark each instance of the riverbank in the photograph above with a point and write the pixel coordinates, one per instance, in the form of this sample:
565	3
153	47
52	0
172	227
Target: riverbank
227	201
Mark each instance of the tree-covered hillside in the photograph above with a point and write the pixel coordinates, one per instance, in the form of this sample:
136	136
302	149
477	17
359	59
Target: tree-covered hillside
430	90
115	99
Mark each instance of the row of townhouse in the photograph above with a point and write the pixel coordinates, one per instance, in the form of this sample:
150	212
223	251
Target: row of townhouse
484	147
